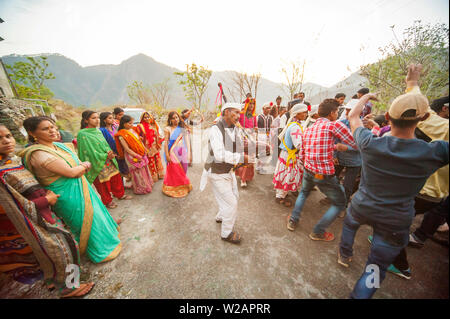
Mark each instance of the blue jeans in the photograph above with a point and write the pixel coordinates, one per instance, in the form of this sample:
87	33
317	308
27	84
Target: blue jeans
331	188
386	245
351	173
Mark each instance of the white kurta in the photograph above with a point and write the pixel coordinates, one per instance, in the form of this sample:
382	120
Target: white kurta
224	185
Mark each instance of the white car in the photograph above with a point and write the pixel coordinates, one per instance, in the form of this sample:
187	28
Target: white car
135	113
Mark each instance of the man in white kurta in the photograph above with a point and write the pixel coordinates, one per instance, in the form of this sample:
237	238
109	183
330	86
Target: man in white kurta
225	151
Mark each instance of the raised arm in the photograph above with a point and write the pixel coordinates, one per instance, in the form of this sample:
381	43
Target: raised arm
412	78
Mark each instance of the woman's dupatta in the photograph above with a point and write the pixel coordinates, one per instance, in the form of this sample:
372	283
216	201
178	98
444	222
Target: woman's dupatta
177	148
71	159
133	143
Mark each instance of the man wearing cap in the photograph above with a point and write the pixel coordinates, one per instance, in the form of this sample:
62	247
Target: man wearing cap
313	116
225	151
289	170
394	170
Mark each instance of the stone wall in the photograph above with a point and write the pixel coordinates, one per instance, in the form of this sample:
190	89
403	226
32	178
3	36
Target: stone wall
13	113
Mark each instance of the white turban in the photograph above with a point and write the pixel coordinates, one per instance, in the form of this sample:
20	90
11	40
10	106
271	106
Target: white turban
298	108
267	104
237	106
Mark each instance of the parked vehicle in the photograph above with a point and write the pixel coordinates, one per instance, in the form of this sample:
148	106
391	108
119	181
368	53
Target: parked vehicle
135	113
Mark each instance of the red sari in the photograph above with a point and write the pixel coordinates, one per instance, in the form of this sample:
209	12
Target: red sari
176	183
150	136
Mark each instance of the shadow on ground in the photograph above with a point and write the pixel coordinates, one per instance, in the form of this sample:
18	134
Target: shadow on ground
172	249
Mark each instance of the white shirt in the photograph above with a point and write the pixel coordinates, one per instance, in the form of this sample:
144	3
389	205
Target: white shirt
218	148
283	120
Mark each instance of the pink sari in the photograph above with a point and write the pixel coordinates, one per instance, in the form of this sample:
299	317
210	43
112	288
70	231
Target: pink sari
140	175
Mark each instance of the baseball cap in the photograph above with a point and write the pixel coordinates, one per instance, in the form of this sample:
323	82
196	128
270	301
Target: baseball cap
409	106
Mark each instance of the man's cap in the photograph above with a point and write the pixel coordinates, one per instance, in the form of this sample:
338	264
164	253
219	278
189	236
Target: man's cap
237	106
267	104
298	108
409	106
314	109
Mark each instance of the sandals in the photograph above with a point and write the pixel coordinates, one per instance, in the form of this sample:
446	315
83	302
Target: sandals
126	197
111	205
233	238
284	201
82	291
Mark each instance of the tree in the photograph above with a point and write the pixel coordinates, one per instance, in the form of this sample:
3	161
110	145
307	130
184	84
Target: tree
160	93
252	82
424	44
194	82
294	77
138	93
244	83
236	89
29	78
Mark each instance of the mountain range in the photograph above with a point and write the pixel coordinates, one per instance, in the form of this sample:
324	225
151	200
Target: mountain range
106	84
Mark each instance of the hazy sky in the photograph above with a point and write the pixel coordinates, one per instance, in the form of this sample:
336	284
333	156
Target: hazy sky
335	37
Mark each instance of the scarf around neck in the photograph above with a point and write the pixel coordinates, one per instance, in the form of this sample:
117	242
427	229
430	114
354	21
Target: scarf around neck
92	147
133	143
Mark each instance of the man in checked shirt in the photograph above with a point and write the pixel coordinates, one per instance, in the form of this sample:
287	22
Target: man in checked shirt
319	167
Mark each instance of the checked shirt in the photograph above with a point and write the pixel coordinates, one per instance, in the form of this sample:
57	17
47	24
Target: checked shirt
319	145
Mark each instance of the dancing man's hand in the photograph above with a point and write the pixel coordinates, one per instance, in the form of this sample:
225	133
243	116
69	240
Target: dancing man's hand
413	76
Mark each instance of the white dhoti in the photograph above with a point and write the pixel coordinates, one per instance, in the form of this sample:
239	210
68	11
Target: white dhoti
226	192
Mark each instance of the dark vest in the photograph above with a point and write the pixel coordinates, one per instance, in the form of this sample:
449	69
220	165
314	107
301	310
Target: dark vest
220	167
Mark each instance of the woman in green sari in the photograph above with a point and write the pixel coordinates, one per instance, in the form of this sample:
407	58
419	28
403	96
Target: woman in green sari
57	168
104	173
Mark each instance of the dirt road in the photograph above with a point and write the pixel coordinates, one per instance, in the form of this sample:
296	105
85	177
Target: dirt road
172	249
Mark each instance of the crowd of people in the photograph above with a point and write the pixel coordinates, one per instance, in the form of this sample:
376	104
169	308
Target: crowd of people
392	167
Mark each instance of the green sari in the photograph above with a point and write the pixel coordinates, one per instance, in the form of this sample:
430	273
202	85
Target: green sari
80	208
93	148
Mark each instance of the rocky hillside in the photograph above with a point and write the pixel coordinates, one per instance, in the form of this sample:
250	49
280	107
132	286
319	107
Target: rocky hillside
102	85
